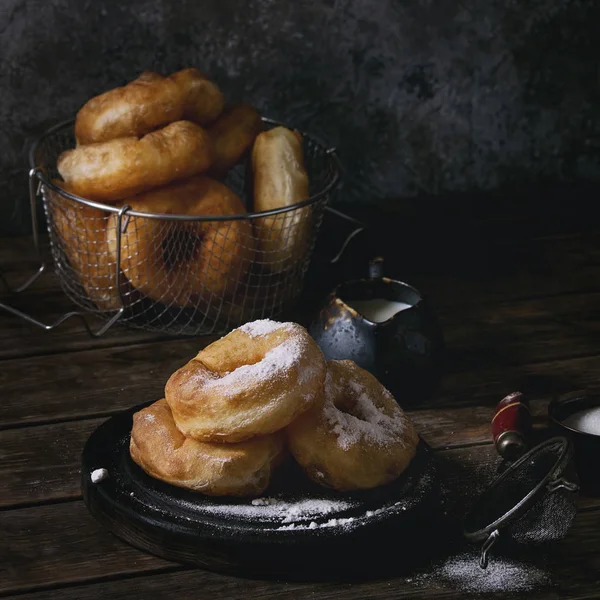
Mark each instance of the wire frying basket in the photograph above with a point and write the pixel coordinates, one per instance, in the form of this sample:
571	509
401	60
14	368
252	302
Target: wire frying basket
172	273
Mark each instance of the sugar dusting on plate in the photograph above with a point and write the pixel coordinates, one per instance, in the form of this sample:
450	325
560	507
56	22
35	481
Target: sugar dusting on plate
308	513
281	511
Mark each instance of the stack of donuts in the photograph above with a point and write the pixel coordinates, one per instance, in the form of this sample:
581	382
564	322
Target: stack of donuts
244	404
164	145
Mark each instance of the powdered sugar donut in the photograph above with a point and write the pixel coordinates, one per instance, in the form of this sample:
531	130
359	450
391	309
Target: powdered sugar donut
253	381
163	452
357	437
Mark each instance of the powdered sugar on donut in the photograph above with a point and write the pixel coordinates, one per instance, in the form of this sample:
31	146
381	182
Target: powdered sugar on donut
370	424
263	327
275	362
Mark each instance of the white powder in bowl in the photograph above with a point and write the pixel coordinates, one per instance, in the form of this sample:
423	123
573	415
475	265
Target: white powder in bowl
586	421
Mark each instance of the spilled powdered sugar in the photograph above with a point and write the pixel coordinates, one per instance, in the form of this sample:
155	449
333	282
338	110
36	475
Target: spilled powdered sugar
502	575
371	424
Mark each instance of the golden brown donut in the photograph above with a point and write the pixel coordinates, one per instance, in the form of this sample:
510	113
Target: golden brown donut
115	170
81	231
280	180
184	263
233	134
254	381
202	100
164	453
357	437
147	103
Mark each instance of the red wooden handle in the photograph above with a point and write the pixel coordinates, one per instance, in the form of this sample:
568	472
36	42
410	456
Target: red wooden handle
512	414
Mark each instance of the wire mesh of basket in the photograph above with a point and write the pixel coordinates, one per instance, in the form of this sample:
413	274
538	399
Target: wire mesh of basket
184	275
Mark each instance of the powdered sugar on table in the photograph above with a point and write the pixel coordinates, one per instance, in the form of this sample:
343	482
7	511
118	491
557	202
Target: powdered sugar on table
502	575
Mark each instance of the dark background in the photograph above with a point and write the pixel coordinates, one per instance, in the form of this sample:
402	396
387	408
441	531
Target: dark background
420	97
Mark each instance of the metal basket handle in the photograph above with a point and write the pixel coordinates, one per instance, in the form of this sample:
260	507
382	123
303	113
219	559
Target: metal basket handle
35	186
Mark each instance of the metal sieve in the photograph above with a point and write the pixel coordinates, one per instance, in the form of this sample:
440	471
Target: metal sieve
532	502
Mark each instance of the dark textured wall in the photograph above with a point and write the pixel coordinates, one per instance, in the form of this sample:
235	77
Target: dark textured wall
419	96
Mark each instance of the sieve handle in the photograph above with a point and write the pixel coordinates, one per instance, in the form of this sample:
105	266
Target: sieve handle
511	426
487	546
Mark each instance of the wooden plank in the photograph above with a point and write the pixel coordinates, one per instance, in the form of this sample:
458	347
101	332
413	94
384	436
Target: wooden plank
546	269
16	252
88	383
512	333
454	277
487	270
42	464
19	338
460	276
538	381
499	342
70	548
62	543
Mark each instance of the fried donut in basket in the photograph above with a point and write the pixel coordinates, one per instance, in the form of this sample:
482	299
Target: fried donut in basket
115	170
233	134
185	263
203	101
81	232
164	453
280	180
149	102
254	381
357	437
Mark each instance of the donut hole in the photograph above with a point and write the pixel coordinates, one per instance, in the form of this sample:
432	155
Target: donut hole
180	247
223	357
223	361
352	405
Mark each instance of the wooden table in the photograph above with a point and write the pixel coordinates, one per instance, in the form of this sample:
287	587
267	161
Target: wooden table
518	296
